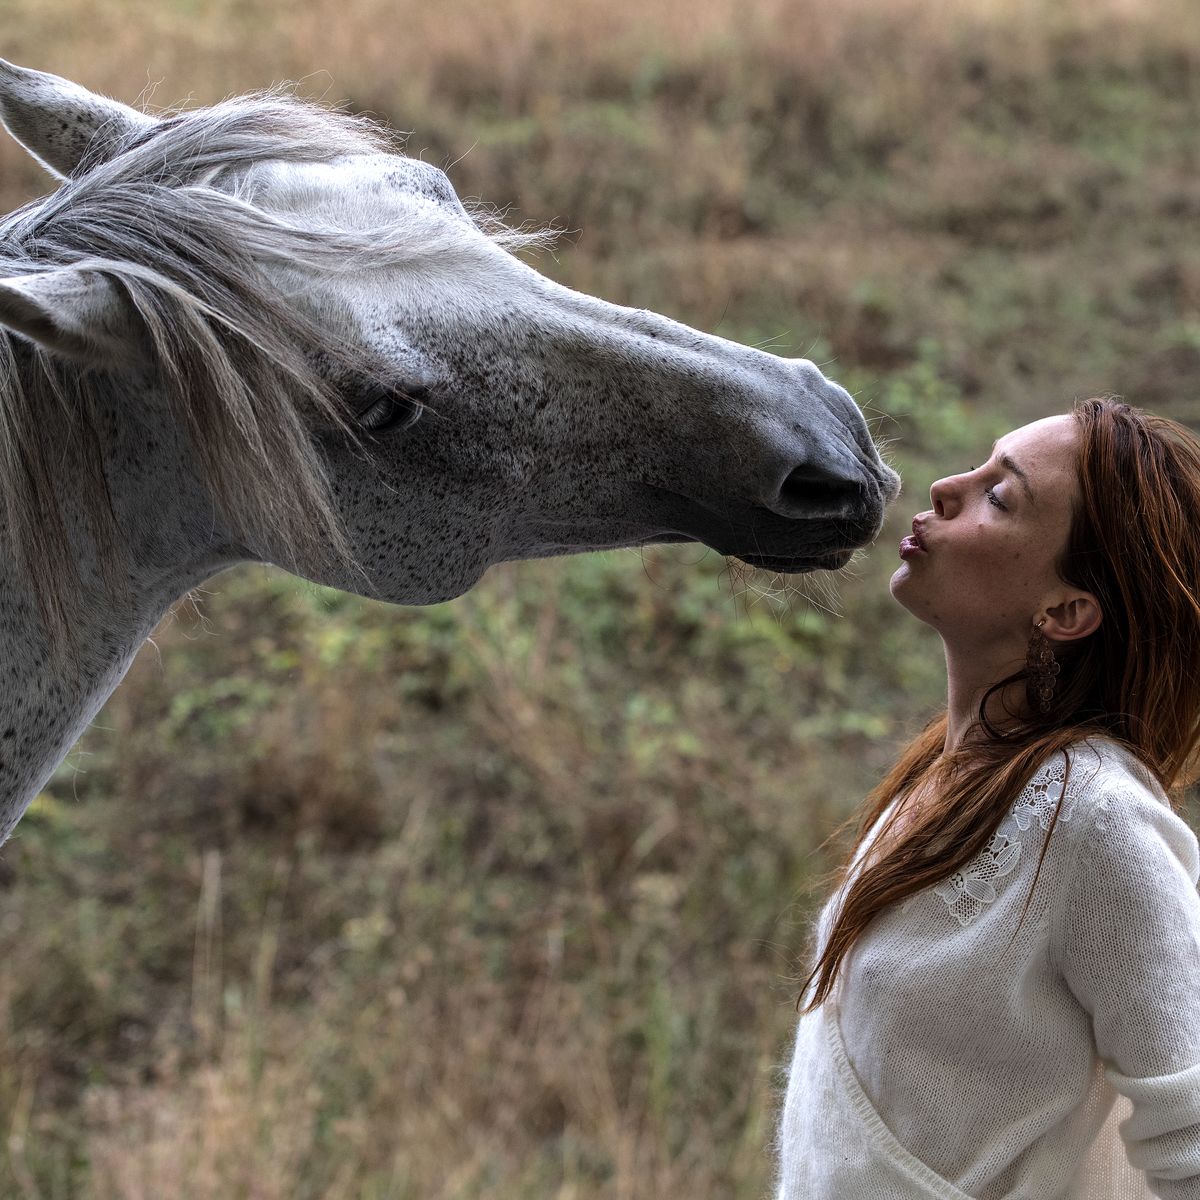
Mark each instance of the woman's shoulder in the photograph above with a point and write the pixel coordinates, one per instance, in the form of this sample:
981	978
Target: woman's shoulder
1113	802
1093	767
1104	761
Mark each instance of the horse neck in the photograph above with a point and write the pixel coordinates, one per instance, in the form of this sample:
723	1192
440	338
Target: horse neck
46	706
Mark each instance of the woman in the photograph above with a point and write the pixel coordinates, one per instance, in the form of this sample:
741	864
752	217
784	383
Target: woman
1011	961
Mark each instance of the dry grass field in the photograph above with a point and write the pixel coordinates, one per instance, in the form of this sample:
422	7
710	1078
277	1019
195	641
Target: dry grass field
503	899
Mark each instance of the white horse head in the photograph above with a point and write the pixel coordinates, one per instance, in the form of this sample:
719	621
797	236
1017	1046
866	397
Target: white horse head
255	332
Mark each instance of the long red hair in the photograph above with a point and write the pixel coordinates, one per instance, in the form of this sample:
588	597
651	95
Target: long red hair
1134	543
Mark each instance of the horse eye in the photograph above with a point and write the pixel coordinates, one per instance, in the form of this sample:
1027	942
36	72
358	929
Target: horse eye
392	408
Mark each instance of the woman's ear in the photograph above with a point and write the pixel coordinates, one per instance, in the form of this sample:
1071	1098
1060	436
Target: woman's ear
1072	619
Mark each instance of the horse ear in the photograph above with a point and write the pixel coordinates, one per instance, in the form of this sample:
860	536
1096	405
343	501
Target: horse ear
57	120
73	312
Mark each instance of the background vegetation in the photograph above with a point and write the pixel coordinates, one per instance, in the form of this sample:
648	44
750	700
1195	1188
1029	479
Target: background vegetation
503	898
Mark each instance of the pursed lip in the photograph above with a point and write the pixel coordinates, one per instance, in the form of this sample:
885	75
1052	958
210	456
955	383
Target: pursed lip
918	536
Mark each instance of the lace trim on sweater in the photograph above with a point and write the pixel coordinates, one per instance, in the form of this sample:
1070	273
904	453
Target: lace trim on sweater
971	888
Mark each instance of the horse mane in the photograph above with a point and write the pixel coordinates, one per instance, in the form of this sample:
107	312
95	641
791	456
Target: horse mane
172	225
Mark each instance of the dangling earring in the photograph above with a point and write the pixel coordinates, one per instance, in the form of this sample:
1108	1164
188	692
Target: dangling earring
1042	669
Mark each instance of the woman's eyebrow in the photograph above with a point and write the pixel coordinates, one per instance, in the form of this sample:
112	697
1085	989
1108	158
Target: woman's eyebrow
1009	465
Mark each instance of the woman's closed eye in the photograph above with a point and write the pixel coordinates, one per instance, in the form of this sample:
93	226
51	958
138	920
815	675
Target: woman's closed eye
992	498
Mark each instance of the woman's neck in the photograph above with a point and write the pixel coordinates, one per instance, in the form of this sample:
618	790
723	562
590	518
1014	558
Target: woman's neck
969	676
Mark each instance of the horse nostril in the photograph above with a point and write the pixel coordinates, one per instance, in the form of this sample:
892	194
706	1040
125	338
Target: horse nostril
812	490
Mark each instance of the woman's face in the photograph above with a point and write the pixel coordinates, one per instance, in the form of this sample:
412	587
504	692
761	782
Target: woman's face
980	566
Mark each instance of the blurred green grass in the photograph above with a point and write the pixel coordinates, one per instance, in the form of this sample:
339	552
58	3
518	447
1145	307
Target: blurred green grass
502	897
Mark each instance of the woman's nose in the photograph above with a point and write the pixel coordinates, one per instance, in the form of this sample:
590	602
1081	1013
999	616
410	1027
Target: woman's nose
941	496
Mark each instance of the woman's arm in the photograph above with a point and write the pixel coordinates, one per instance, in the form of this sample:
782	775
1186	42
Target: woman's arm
1128	945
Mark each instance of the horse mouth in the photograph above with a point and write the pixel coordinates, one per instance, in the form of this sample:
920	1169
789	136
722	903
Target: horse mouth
780	564
833	561
766	540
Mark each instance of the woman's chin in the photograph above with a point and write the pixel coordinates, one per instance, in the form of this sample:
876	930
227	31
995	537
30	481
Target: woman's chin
904	593
899	581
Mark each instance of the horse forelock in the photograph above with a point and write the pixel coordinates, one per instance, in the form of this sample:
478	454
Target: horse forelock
170	221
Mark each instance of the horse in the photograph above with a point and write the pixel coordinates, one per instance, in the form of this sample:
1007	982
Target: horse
259	332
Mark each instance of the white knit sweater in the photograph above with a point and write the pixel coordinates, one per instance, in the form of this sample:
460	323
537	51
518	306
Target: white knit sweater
1066	1066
